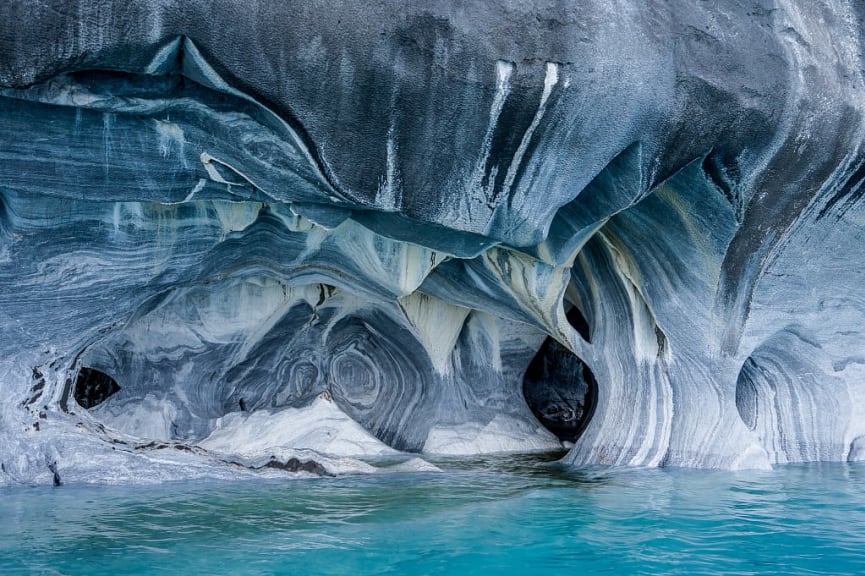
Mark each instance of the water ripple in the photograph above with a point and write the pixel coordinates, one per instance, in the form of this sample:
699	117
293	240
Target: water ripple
504	516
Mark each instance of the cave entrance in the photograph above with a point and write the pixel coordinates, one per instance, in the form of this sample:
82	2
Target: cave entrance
560	390
93	387
579	323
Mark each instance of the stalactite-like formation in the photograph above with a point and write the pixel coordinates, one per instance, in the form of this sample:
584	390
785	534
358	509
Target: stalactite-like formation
359	230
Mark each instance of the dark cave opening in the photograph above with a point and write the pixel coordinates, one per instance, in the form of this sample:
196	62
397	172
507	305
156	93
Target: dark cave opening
561	390
93	387
579	323
746	392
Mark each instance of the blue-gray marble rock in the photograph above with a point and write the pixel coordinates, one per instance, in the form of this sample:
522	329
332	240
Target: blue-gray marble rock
211	211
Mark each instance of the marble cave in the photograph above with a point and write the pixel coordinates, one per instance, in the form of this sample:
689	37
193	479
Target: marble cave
252	238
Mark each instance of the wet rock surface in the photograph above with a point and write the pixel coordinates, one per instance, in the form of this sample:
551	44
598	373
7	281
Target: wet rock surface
233	209
295	465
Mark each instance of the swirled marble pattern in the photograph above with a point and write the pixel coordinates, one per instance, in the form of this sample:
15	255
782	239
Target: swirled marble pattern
250	214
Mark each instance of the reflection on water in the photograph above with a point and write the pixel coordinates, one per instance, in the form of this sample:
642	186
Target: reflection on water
516	514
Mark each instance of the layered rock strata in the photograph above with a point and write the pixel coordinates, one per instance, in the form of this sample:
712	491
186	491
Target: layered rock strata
428	228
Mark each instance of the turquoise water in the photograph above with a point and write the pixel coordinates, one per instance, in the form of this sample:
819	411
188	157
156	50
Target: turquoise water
492	516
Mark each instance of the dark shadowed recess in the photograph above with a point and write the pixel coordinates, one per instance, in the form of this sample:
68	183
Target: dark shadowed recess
561	390
579	323
93	387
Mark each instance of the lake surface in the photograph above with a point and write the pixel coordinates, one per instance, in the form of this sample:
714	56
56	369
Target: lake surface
502	515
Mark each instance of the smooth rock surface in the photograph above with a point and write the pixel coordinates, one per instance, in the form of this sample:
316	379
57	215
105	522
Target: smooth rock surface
231	208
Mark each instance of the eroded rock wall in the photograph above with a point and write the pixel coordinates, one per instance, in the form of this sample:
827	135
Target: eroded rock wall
245	207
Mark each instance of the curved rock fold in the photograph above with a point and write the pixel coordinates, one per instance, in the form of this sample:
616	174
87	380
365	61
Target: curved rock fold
236	239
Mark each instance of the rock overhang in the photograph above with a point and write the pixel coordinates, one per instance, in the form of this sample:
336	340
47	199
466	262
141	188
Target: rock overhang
451	194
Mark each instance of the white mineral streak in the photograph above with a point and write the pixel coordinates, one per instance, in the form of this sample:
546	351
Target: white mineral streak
196	66
551	78
232	264
210	164
400	266
171	140
485	334
437	324
389	193
504	70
